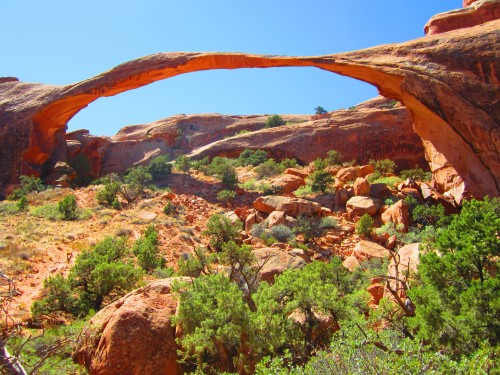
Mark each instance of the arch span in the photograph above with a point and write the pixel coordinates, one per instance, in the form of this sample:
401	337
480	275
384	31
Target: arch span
449	82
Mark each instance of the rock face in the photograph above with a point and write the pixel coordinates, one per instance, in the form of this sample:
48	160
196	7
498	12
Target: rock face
133	335
449	83
476	13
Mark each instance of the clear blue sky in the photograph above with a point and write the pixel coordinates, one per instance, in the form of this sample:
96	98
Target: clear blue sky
61	42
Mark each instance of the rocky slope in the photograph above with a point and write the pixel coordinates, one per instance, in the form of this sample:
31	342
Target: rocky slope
377	129
449	82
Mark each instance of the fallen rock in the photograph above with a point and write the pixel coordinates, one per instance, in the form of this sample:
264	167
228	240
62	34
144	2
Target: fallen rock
291	206
276	262
288	183
341	198
276	218
365	170
367	250
349	174
296	172
351	262
397	214
133	335
358	206
361	187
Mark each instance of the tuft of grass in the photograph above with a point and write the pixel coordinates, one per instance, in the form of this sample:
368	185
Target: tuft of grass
389	181
9	208
303	191
51	211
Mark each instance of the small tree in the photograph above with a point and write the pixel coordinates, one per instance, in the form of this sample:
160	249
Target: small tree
183	164
222	230
147	252
313	227
108	195
274	121
321	180
28	185
22	203
319	110
67	207
226	196
383	166
334	157
160	168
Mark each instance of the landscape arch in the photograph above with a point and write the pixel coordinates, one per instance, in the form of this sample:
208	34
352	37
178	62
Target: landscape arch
449	83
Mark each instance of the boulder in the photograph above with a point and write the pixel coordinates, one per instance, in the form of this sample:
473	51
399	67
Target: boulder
349	174
379	190
296	172
367	250
397	214
358	206
291	206
341	198
276	218
365	170
351	262
250	222
288	183
133	335
361	187
276	261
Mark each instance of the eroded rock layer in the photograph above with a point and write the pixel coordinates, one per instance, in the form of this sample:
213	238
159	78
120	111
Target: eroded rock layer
449	82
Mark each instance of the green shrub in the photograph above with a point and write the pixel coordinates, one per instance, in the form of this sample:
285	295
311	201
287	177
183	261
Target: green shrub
108	195
288	163
7	208
226	196
430	215
282	233
169	208
416	174
365	225
28	185
201	165
22	203
67	208
147	252
183	164
313	227
334	157
383	166
253	158
222	230
160	168
321	180
274	121
48	211
268	169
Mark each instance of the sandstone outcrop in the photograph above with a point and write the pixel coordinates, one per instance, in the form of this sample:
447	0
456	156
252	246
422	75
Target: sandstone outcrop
367	250
475	13
360	205
290	206
397	214
449	83
276	261
133	335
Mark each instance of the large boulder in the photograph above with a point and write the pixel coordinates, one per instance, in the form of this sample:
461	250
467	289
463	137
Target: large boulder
133	335
349	174
358	206
276	261
361	186
288	183
367	250
397	214
291	206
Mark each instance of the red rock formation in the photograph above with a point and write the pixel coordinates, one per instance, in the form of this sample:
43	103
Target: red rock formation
133	335
466	3
449	82
476	13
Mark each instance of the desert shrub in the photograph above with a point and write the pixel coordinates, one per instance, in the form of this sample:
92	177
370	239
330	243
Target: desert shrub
334	157
303	191
223	168
7	208
364	226
288	163
183	164
268	169
67	208
147	251
391	181
313	227
22	203
100	273
109	193
222	230
226	196
28	185
268	189
459	296
274	121
163	273
201	164
251	157
169	208
282	233
430	215
138	177
193	265
321	180
48	211
416	174
383	166
160	168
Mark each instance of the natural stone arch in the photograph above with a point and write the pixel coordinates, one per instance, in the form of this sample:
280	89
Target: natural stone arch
449	82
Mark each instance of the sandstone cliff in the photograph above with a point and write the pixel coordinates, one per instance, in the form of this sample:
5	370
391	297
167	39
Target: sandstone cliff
449	83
